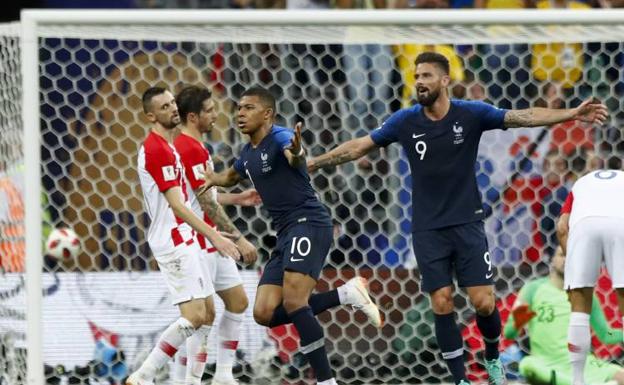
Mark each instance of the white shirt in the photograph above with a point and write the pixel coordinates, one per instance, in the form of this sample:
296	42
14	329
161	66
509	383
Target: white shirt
597	194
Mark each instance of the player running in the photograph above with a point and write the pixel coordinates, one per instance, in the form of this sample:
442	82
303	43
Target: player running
274	161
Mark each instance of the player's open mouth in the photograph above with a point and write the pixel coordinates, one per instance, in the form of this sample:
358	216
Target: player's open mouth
241	124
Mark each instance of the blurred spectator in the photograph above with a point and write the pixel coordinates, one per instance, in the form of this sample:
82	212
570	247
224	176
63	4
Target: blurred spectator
370	76
550	96
90	3
560	62
502	4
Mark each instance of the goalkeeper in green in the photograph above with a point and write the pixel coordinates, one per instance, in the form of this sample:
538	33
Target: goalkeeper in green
542	305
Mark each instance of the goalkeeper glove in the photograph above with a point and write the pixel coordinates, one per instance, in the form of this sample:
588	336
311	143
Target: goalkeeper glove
522	315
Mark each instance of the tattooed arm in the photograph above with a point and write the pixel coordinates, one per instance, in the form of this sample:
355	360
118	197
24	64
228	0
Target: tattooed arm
589	111
346	152
217	215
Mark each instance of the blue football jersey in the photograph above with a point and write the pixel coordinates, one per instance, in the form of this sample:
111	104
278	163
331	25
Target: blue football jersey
442	156
286	191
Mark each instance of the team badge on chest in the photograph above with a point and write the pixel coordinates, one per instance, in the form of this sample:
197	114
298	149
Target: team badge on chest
458	132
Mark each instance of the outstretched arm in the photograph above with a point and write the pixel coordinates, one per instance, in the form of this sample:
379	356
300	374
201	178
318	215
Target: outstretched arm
226	178
346	152
589	111
245	198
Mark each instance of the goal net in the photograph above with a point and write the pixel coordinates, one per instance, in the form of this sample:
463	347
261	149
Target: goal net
340	73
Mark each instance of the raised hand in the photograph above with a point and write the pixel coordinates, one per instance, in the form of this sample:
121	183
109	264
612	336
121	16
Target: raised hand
591	111
295	143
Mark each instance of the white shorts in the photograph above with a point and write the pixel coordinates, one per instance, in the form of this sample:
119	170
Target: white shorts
222	270
184	274
591	241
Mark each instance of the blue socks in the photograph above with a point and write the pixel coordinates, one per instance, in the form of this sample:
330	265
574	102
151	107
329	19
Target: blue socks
312	341
451	344
490	327
318	302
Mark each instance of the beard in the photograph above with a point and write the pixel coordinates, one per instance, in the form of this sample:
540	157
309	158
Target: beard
171	124
428	99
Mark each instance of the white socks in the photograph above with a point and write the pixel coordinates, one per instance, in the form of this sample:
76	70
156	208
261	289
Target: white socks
178	373
196	353
166	347
579	341
227	342
331	381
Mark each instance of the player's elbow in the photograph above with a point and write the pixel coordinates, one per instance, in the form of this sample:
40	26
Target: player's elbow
361	147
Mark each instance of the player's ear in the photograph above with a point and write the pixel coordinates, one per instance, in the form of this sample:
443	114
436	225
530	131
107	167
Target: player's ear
446	80
151	117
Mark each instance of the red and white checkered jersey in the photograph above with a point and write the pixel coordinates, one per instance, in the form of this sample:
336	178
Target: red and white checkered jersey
597	194
195	158
159	170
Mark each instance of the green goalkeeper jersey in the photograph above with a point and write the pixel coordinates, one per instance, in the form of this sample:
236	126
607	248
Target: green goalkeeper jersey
548	329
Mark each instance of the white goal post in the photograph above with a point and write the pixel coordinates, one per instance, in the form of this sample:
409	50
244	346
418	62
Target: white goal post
387	27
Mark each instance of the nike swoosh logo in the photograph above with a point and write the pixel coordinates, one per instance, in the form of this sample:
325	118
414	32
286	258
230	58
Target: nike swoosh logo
293	259
414	136
488	276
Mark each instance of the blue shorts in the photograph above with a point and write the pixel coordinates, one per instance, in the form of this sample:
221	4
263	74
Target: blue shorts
302	248
462	248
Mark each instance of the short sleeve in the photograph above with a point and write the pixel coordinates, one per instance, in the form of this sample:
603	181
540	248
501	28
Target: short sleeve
567	205
240	168
491	117
162	167
284	138
389	131
194	161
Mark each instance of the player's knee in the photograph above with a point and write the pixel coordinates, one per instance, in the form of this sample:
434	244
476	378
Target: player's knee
441	303
237	306
196	318
294	302
209	315
263	315
483	304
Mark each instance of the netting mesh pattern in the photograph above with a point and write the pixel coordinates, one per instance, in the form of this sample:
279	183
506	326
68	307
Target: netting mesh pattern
12	247
92	127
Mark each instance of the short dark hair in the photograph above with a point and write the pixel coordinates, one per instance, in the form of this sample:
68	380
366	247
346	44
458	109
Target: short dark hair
434	58
265	96
191	99
149	94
